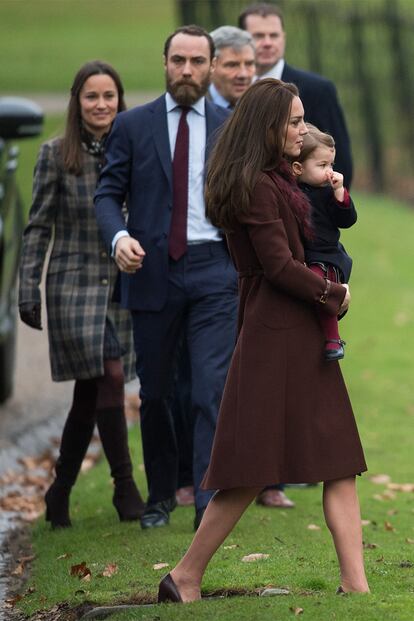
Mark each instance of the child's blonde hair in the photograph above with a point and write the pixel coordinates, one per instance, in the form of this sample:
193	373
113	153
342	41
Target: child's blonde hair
312	140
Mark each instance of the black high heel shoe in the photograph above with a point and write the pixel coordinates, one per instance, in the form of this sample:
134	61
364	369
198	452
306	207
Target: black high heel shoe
168	592
127	500
57	506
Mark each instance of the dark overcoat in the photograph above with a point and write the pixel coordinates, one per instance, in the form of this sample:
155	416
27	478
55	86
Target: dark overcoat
285	415
80	274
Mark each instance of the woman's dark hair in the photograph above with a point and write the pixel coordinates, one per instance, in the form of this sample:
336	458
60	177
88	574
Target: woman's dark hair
71	142
251	141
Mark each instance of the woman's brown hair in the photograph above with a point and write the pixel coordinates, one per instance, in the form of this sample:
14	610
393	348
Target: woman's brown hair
251	141
71	141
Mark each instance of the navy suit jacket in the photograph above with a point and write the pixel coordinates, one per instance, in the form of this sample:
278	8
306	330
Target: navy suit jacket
138	169
322	108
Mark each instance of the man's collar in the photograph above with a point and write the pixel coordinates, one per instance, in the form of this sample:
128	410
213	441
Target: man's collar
274	72
199	106
218	98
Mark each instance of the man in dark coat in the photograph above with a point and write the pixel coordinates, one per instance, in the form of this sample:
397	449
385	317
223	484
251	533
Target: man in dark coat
177	277
319	97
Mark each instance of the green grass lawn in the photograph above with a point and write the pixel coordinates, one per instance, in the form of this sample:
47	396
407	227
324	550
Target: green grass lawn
44	42
378	367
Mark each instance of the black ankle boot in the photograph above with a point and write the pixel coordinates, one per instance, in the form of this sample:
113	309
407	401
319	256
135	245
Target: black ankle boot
127	500
57	506
114	437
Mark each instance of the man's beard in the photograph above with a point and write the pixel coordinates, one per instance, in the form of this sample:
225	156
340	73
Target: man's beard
187	92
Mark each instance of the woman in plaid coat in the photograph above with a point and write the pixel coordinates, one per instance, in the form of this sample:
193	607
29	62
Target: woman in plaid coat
90	337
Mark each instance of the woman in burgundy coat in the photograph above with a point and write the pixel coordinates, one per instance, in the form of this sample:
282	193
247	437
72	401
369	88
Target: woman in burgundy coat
285	413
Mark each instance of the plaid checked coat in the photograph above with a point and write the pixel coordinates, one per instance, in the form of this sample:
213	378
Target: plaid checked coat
80	274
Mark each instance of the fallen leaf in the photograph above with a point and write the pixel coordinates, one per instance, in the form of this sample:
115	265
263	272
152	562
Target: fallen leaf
80	570
29	462
296	610
313	527
380	479
401	318
252	558
19	569
110	570
31	480
89	461
408	540
379	560
387	495
273	591
365	522
234	545
158	566
388	526
401	487
26	559
369	546
86	578
66	555
12	601
392	512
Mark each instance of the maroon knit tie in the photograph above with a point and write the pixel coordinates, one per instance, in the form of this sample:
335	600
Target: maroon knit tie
177	244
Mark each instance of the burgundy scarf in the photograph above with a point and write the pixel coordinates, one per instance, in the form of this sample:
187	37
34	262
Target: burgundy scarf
287	185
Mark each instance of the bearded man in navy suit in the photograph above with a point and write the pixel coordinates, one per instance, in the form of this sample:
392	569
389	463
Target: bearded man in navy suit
319	97
176	274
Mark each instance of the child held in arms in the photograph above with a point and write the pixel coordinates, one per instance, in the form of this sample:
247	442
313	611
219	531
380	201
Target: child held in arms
332	209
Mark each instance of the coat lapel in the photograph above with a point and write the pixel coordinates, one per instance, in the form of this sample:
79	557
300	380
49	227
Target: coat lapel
213	122
161	138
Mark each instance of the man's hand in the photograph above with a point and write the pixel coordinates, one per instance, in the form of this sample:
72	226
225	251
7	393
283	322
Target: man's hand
129	254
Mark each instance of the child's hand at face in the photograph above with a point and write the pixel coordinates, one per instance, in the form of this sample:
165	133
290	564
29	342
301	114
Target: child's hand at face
336	179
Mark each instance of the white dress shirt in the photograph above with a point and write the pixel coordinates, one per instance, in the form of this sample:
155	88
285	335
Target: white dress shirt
199	229
218	98
274	72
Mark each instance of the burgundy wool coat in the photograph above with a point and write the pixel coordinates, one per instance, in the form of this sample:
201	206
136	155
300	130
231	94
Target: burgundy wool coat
285	414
